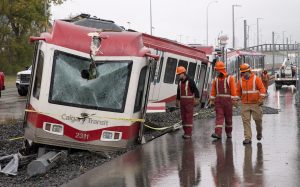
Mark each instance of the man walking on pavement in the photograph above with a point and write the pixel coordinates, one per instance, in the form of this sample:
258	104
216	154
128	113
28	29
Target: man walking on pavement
252	92
265	79
187	97
223	96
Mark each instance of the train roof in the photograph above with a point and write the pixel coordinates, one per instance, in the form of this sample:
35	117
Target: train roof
173	47
244	53
72	36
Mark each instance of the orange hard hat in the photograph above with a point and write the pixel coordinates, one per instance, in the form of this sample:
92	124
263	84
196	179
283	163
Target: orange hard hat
180	70
219	65
245	67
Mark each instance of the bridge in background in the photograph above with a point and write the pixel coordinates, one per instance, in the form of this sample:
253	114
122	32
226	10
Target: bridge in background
276	53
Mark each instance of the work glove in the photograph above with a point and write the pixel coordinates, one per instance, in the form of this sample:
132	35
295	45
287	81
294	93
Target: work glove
177	103
235	103
260	102
211	102
196	101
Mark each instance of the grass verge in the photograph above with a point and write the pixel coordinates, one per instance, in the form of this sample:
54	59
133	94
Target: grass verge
10	80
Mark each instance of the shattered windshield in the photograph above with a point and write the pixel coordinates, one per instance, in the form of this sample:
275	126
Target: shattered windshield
106	92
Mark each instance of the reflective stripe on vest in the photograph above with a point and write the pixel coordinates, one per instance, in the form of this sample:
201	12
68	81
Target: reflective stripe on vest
254	90
225	87
186	87
186	90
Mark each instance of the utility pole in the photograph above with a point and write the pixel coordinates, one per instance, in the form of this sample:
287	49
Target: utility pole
245	34
273	52
150	17
257	20
233	25
287	47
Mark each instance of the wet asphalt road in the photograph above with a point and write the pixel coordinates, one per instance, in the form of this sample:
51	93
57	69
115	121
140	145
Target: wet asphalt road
172	161
11	104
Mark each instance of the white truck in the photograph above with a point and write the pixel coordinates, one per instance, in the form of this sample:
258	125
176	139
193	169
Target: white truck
22	82
286	75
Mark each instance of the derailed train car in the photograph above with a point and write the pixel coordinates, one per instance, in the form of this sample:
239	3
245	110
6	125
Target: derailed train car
95	99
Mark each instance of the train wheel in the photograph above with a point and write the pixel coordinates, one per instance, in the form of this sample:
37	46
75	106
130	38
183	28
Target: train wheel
22	91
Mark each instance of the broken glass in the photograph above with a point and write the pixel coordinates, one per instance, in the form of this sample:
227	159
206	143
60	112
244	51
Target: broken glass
107	91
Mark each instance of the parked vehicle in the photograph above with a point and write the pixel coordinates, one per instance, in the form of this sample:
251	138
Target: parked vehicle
22	82
2	82
286	74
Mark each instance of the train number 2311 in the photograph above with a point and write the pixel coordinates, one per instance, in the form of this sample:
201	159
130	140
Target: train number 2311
82	136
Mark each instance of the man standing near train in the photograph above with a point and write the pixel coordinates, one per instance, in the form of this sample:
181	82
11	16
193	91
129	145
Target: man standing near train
252	92
187	97
265	79
223	96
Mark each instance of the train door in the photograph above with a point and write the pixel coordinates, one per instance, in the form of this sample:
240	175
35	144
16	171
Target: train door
201	79
236	68
38	60
156	77
192	70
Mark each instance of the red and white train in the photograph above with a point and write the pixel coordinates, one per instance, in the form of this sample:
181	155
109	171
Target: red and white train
103	112
256	60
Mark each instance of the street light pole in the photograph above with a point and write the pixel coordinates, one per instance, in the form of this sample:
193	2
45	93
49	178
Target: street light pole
207	20
150	17
257	19
233	34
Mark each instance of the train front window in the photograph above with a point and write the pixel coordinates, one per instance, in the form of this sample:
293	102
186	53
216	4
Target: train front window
107	91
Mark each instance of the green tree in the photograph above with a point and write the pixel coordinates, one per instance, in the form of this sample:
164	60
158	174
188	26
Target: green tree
20	19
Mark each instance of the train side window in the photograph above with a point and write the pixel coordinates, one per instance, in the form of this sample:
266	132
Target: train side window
170	70
192	70
202	80
140	90
198	74
38	76
160	68
154	71
185	65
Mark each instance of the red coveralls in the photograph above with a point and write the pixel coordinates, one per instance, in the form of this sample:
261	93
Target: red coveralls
187	92
223	91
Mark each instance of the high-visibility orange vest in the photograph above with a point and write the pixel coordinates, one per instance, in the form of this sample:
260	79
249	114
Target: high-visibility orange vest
251	90
223	87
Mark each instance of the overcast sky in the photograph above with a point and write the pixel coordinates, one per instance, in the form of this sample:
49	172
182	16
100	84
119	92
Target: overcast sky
185	20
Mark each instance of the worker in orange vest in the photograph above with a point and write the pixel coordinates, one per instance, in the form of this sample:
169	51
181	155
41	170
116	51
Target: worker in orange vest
265	79
252	92
187	97
223	96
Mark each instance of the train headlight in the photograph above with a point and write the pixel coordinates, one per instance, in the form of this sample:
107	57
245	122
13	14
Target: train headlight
111	136
53	128
57	129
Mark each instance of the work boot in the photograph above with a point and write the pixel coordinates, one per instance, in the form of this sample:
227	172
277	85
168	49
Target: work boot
246	141
214	135
259	136
229	135
185	136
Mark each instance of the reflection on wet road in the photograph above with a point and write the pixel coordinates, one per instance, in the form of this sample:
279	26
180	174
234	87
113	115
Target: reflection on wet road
11	104
172	161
